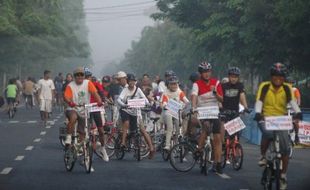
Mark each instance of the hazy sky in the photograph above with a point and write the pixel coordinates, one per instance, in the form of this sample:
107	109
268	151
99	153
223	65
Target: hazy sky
112	25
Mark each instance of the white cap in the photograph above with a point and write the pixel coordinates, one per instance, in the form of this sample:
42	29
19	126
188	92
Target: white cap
121	74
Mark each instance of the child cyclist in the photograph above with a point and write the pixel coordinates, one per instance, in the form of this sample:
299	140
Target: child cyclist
172	92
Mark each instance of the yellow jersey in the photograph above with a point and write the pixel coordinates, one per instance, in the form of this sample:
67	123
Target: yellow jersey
275	101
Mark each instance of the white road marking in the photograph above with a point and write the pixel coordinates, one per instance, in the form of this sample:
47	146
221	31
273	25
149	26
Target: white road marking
51	122
13	121
6	171
29	148
37	140
224	176
31	121
47	127
19	158
43	133
92	169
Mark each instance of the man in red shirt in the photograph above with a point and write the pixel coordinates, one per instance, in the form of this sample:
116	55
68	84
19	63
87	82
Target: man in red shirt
207	93
96	116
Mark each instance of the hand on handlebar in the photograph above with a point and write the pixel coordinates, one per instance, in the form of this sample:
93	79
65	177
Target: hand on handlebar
72	104
258	117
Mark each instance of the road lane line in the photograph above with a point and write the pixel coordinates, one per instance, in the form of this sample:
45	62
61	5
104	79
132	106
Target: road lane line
37	140
19	158
6	171
43	133
47	127
29	148
13	121
31	121
224	176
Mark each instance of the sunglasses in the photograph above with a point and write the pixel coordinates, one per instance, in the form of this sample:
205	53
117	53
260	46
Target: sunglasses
79	75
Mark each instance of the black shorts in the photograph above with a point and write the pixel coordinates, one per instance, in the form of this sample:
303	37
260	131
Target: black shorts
96	116
215	124
131	118
10	100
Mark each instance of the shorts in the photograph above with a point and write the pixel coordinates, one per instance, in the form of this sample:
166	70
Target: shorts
96	116
283	138
215	124
10	100
46	105
131	118
80	120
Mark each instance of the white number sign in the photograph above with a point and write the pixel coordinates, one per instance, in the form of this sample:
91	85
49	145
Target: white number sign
234	126
278	123
211	112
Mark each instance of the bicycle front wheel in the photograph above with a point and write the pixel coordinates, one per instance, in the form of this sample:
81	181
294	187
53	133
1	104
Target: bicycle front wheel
70	158
88	156
238	157
266	178
182	157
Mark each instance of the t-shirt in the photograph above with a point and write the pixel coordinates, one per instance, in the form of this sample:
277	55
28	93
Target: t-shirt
231	98
11	91
204	91
58	84
99	89
80	94
28	87
178	96
46	88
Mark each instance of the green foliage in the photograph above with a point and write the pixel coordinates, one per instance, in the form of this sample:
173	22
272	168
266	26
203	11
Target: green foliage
42	34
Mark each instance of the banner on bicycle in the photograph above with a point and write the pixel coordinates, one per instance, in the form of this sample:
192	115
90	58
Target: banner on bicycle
173	108
278	123
211	112
136	103
95	109
304	132
234	126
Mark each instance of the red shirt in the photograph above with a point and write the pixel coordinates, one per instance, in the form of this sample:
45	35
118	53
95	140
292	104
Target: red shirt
99	90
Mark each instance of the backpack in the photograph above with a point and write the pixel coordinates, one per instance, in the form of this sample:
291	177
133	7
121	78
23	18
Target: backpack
266	88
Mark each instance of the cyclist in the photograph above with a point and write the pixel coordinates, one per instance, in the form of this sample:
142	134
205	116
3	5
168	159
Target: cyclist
28	90
162	86
129	116
96	116
172	92
297	96
207	92
46	92
272	100
78	92
11	93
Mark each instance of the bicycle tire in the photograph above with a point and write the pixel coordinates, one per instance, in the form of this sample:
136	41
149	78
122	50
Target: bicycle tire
277	174
224	156
238	160
267	178
110	146
138	145
165	154
88	157
119	152
70	158
206	159
182	153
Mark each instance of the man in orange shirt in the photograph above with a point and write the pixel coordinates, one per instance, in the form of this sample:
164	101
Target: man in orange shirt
78	93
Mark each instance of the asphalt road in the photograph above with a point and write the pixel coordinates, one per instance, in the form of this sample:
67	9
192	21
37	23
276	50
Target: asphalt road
31	157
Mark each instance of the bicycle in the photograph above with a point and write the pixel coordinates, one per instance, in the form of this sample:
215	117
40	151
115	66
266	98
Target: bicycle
81	150
134	141
12	109
232	149
272	170
28	101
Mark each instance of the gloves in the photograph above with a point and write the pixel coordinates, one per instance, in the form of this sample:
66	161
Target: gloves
298	116
99	104
258	117
72	104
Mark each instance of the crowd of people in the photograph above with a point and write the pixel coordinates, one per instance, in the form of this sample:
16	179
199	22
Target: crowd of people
82	87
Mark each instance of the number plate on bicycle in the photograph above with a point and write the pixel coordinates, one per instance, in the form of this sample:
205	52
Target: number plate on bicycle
211	112
173	108
278	123
234	126
95	109
136	103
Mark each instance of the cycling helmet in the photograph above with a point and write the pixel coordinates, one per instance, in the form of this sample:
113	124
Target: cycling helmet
106	79
169	73
87	72
194	77
173	79
131	77
204	66
234	71
278	69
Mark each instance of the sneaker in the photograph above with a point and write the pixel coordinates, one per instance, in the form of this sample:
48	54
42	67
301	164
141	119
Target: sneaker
283	183
227	162
68	140
104	154
167	148
262	161
219	169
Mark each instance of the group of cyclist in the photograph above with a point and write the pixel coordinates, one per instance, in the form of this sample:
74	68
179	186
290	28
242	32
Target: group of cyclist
273	98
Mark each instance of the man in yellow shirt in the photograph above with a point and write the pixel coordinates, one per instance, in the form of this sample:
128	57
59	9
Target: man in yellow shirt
272	99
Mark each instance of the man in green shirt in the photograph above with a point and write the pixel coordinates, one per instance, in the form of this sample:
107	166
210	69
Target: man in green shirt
11	92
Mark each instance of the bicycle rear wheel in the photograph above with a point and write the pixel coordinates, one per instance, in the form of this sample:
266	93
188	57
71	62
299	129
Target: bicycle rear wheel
205	160
110	146
182	157
267	178
70	158
88	156
238	157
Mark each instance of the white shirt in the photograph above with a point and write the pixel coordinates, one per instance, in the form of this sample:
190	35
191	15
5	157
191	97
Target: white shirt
46	87
162	87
